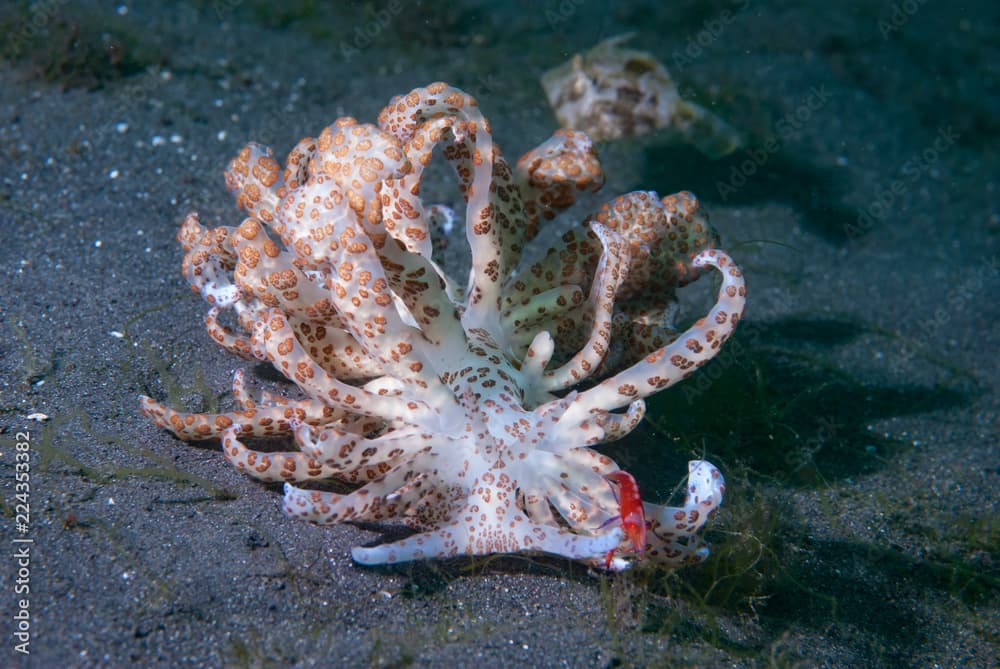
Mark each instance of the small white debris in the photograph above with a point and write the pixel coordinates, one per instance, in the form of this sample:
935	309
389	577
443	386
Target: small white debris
157	140
37	417
111	501
97	244
116	334
122	10
121	127
221	135
113	174
176	139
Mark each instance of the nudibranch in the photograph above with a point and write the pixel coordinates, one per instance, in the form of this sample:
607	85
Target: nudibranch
610	92
465	412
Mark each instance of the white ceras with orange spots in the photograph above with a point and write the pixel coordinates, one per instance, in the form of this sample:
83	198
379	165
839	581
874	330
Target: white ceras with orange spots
466	411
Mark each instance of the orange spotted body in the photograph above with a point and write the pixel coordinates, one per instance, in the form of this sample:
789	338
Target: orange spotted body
465	410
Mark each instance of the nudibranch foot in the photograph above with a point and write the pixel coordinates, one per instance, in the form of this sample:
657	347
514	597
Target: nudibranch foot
449	542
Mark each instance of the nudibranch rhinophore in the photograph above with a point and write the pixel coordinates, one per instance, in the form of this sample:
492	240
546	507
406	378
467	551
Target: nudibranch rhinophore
465	412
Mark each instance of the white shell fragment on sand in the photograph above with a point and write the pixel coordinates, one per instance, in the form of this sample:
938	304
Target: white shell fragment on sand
610	92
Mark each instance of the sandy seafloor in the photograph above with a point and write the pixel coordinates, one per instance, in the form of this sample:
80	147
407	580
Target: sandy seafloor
855	416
